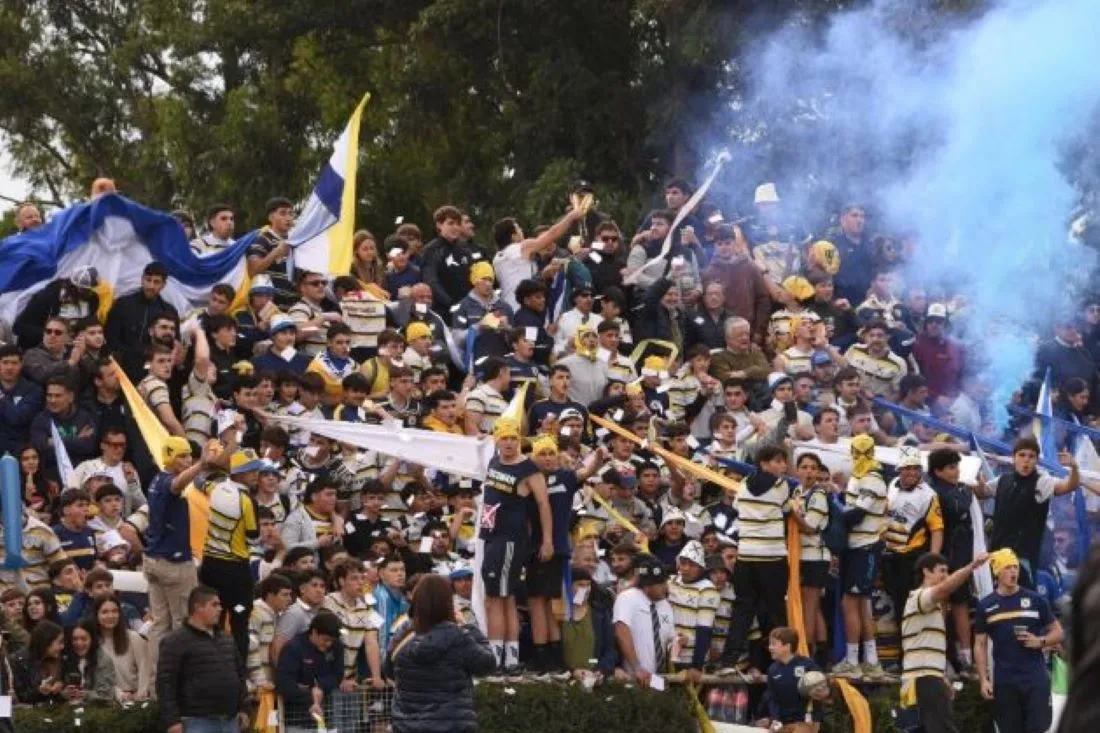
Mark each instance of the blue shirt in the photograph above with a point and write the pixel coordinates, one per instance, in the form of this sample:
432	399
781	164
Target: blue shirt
78	545
561	486
169	533
999	617
784	702
390	606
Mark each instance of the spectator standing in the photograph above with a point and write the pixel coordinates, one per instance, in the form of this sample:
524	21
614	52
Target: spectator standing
308	671
310	588
1022	627
201	676
644	624
433	665
131	315
745	288
447	261
268	253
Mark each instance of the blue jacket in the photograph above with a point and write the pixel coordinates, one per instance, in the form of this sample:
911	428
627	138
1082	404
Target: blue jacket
433	673
18	408
300	666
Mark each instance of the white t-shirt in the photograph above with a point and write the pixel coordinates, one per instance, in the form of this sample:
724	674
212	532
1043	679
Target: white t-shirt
512	268
632	608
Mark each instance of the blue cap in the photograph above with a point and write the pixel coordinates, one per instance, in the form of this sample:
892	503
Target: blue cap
462	572
820	358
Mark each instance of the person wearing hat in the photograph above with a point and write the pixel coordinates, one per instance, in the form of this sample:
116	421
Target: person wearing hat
671	539
783	419
914	526
581	314
485	311
231	536
588	634
544	577
418	352
1021	626
866	499
588	373
924	642
462	582
270	250
219	226
254	319
942	359
167	564
645	622
775	249
511	482
282	356
309	313
694	602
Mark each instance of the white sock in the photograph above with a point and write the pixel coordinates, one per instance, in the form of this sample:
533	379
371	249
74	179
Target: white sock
870	652
853	654
964	657
511	653
497	646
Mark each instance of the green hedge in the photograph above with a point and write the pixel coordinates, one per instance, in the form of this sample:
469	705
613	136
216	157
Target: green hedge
536	708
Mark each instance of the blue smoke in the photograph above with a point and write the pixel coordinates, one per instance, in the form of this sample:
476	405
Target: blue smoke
957	131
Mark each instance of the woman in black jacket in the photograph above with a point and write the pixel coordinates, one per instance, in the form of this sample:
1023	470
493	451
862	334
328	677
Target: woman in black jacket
36	669
434	663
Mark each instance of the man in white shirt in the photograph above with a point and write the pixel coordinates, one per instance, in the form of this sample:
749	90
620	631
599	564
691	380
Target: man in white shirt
579	315
644	627
515	259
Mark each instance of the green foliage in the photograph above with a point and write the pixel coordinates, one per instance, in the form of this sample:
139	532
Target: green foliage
540	708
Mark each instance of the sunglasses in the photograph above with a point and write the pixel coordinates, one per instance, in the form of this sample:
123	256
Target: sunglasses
55	331
609	239
313	283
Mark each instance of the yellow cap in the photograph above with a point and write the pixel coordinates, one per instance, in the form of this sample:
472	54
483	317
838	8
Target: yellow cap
544	444
799	287
1001	559
505	428
863	456
481	271
418	330
243	461
824	254
244	368
173	448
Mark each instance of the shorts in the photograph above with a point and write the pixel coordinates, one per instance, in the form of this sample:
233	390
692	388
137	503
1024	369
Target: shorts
858	567
814	573
502	566
544	579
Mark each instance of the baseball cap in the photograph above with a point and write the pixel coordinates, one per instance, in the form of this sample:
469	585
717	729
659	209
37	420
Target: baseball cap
777	378
278	323
820	358
261	285
936	310
650	571
244	461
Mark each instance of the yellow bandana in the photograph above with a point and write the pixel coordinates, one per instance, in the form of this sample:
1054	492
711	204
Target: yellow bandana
863	456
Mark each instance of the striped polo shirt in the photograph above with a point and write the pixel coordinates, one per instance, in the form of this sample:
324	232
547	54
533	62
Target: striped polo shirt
694	606
869	494
357	619
760	522
40	548
923	637
261	632
312	342
815	508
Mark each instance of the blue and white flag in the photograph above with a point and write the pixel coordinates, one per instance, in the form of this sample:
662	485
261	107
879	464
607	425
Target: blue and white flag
322	235
119	238
64	463
1044	432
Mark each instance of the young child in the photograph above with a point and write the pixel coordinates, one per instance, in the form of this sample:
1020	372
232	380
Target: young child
695	602
788	710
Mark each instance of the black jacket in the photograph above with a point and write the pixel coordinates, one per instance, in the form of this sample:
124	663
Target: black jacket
31	321
447	271
703	329
435	692
200	675
654	321
128	323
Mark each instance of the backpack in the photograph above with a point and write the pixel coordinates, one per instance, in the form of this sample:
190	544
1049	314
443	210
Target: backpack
835	534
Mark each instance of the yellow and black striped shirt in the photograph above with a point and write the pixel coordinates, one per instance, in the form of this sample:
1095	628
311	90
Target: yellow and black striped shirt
694	606
869	494
923	637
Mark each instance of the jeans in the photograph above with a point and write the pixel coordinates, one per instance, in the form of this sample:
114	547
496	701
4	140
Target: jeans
210	725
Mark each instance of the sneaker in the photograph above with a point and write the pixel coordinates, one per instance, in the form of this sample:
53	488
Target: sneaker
846	669
873	672
515	670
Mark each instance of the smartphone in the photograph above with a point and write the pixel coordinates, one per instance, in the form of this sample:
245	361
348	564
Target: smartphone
73	679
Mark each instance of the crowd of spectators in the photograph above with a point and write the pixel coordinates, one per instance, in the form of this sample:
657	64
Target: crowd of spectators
278	559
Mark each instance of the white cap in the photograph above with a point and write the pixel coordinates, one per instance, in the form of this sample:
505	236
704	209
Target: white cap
777	378
910	457
936	310
110	540
766	194
672	514
261	284
693	552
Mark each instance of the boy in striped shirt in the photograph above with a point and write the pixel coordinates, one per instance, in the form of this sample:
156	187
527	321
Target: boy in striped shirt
275	594
359	624
924	641
866	500
694	602
760	576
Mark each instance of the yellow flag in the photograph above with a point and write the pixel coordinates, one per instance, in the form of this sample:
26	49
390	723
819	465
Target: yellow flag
152	430
515	410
